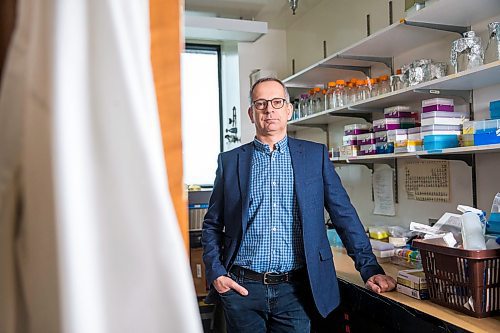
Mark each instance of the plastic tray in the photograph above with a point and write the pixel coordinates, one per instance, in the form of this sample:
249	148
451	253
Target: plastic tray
355	129
456	277
370	149
348	140
384	147
438	104
381	136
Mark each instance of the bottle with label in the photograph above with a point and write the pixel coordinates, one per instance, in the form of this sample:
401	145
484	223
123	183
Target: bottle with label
340	93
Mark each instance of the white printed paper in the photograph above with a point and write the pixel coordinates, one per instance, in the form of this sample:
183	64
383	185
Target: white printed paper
428	181
383	192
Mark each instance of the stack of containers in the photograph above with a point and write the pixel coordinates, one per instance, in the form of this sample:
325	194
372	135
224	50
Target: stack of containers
495	109
350	141
441	125
484	132
393	128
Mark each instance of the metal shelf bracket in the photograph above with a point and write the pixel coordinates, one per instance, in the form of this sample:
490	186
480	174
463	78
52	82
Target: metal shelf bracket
450	28
466	95
384	60
363	115
364	69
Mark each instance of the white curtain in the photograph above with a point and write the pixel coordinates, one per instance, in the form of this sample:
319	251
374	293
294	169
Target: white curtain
89	240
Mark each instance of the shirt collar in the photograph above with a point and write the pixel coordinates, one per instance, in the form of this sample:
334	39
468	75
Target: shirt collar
280	146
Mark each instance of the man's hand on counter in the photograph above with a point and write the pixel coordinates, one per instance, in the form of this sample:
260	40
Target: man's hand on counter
380	283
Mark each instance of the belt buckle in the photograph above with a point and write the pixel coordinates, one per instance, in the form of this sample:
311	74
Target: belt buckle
268	274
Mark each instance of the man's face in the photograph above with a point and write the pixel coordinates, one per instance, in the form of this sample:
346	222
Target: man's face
270	121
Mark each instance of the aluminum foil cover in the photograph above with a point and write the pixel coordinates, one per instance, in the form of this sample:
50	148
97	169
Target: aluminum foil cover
494	39
423	70
470	45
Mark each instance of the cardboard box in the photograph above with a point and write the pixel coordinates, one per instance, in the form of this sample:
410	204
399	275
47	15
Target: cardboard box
412	278
418	294
198	272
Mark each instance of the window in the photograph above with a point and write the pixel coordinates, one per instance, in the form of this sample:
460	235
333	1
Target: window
201	112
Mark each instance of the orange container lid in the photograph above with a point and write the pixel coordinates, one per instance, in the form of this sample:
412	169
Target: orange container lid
399	71
316	89
373	81
360	82
331	84
354	80
340	82
384	78
323	91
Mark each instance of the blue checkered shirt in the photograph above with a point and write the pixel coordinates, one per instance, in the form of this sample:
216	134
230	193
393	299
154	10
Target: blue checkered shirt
273	239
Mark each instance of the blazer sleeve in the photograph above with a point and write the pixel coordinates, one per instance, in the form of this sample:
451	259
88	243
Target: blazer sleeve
213	226
347	222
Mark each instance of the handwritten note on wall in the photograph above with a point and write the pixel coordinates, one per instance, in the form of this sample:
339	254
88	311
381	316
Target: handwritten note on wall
428	181
383	192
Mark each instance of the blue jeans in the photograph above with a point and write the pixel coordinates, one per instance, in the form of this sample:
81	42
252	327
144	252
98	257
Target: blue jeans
283	307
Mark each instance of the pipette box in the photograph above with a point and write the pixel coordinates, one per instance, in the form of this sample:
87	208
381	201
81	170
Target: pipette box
493	226
414	134
381	136
397	135
370	149
438	104
398	111
384	147
386	124
366	139
355	129
444	118
349	140
495	109
348	150
440	130
486	132
434	142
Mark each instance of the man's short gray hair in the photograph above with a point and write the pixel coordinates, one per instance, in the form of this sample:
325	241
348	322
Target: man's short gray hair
265	79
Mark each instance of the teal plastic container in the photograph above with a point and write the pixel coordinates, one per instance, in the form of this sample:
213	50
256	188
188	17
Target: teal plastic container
493	226
436	142
495	110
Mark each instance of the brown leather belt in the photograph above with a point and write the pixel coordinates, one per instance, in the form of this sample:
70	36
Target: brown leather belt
268	277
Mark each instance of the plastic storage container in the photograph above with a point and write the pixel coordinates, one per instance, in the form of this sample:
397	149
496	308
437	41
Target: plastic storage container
355	129
397	135
414	134
366	139
406	122
462	280
434	142
348	151
367	149
440	130
398	111
384	147
444	118
349	140
438	104
381	136
495	109
386	124
486	132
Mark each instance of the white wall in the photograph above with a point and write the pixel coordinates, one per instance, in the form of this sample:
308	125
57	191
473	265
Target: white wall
269	53
342	23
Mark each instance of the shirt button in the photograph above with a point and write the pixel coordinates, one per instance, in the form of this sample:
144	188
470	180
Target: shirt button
274	205
274	229
274	183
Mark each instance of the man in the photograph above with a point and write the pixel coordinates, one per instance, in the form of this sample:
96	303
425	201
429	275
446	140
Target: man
264	240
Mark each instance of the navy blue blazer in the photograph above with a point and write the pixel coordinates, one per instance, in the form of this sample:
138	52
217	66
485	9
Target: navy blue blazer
317	185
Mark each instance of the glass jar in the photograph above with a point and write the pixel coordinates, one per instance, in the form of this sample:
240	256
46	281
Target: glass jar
340	93
351	92
373	87
331	95
384	86
303	105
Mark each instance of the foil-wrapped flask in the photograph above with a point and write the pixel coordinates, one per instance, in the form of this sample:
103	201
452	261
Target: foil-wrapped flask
492	52
466	52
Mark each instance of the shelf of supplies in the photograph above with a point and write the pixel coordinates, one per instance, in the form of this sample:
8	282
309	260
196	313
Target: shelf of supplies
397	38
475	78
381	158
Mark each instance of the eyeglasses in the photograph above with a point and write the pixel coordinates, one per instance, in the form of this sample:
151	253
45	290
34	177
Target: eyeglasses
276	103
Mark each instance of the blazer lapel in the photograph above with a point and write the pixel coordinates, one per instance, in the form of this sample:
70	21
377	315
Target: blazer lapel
299	164
244	169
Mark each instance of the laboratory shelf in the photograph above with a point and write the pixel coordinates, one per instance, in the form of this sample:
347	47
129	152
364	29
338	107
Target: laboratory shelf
381	158
483	76
396	39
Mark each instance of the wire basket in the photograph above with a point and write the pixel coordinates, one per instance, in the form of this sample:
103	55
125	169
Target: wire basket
464	280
